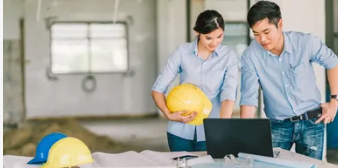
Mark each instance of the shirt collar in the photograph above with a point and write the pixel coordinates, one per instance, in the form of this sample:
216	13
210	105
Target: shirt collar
287	45
194	48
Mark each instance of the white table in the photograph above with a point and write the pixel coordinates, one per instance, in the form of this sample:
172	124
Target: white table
148	159
284	154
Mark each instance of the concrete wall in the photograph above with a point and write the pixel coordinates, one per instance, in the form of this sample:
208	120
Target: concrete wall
12	70
171	28
196	7
231	10
171	32
12	12
116	94
12	82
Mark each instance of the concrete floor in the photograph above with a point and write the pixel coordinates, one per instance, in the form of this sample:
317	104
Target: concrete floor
148	134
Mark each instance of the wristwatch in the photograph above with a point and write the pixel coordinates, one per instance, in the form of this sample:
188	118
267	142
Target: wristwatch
334	97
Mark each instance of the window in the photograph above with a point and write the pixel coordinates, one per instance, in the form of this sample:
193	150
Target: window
236	36
88	47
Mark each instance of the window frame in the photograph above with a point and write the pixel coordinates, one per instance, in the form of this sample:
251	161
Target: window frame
248	38
88	23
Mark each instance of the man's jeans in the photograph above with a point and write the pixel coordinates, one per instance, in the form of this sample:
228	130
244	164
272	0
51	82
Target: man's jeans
308	136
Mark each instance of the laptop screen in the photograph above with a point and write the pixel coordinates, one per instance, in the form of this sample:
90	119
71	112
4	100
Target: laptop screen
231	136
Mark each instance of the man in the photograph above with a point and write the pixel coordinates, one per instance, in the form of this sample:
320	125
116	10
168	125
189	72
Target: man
281	64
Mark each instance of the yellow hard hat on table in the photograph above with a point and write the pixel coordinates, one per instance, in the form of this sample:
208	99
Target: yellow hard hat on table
188	97
68	152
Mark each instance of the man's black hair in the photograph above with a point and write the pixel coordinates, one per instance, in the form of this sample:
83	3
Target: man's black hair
262	10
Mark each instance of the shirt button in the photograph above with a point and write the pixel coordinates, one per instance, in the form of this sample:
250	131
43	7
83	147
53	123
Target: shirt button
283	73
280	59
286	86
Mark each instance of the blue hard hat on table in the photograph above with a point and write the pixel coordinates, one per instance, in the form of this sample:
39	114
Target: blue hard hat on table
44	145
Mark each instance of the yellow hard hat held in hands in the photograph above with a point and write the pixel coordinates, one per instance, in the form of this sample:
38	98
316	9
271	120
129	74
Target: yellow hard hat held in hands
188	97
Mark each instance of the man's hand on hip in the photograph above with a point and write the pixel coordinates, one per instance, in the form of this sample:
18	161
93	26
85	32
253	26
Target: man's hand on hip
329	112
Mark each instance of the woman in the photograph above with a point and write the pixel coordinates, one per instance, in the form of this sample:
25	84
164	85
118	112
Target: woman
208	65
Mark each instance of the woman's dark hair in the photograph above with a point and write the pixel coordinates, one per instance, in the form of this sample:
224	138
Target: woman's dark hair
208	21
262	10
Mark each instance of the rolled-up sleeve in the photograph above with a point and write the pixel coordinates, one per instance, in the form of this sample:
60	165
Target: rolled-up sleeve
169	72
249	83
230	83
322	55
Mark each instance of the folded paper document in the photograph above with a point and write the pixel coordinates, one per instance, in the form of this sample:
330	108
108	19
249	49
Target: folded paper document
200	160
277	161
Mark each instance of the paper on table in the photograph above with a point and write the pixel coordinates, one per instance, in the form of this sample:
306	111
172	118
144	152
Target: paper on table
126	159
200	160
277	161
10	161
163	158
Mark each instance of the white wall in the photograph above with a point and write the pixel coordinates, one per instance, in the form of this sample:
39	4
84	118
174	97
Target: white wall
12	12
197	6
12	71
133	94
231	10
171	28
171	32
116	94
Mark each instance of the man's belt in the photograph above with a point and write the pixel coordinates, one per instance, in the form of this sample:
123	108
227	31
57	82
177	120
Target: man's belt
312	114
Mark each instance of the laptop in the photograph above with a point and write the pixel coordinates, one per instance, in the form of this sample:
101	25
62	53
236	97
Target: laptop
231	136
